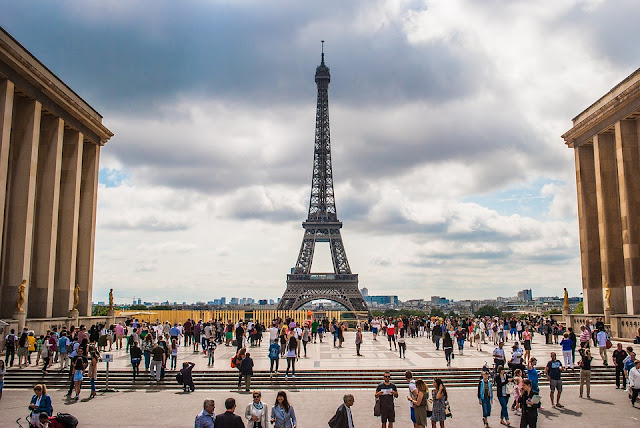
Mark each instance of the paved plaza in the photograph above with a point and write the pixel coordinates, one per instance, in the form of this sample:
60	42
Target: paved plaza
421	353
157	408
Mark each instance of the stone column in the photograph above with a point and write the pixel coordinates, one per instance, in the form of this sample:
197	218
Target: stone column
20	201
68	223
589	233
611	256
628	158
6	110
87	224
46	218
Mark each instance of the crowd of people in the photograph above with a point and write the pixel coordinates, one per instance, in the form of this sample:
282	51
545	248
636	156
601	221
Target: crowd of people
512	378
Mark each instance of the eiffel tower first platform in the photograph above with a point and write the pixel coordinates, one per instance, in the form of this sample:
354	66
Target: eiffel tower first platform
322	225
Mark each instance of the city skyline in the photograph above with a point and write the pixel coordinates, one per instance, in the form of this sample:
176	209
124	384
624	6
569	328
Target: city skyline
451	176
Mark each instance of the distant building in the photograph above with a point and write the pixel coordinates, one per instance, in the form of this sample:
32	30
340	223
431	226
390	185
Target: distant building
381	300
234	301
262	302
365	292
223	300
525	295
437	301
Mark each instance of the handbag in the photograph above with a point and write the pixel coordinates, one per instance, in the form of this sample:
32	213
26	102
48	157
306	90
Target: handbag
509	388
429	405
447	410
608	345
376	408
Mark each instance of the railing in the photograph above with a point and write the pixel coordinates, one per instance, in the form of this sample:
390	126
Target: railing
322	277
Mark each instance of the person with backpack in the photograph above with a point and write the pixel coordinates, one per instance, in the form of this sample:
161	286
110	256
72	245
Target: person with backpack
246	370
10	348
343	417
274	357
211	349
63	348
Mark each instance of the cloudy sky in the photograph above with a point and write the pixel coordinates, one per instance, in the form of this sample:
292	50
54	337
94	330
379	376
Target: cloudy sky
451	177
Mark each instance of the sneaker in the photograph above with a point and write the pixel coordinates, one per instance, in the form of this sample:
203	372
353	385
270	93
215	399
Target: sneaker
293	375
560	406
286	376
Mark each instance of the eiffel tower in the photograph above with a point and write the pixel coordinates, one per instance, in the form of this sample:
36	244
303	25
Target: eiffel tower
322	225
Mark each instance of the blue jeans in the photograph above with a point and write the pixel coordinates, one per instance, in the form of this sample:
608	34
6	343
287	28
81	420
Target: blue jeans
486	407
147	359
436	339
93	384
460	344
504	407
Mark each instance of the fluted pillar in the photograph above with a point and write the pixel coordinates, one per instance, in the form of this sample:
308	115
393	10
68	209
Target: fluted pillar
20	201
611	255
589	233
628	159
87	224
46	218
68	210
6	110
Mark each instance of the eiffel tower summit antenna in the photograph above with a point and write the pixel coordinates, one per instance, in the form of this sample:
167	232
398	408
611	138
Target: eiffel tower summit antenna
322	225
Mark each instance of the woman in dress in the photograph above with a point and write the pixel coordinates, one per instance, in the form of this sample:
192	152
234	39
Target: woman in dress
23	350
439	397
420	404
256	412
282	414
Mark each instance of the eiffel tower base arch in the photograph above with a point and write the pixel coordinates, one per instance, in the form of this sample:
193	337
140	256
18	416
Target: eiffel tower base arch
304	288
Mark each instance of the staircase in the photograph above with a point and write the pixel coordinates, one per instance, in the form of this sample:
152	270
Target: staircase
305	379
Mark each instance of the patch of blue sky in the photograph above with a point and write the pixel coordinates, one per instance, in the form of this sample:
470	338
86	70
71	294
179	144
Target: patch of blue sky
112	177
526	199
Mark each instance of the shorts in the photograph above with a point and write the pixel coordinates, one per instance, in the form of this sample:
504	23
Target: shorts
387	414
77	376
527	345
555	384
374	330
229	335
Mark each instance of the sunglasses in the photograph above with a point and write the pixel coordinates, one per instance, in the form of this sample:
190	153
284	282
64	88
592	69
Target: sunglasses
256	396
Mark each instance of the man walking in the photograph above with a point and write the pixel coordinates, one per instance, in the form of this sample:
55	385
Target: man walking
529	403
246	370
343	417
413	393
554	373
206	418
157	362
619	356
228	419
601	338
499	356
634	382
386	392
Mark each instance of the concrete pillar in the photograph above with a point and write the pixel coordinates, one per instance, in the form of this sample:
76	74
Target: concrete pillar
609	220
87	224
46	218
20	202
67	223
589	233
6	113
628	159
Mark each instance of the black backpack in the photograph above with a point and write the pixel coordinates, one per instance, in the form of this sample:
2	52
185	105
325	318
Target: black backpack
67	420
11	341
179	378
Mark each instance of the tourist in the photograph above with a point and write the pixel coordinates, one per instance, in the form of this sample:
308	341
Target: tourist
478	335
515	362
437	335
375	326
256	412
343	417
211	349
206	418
566	351
585	337
197	332
306	338
282	413
119	330
93	370
460	335
292	347
419	404
187	376
391	335
3	370
386	392
358	341
440	398
174	353
447	345
499	356
228	419
341	329
485	396
246	370
602	338
629	361
10	348
529	403
274	357
80	364
408	375
585	371
23	350
239	332
526	336
147	347
321	332
553	370
517	390
502	382
157	362
533	375
634	382
574	342
40	402
136	357
618	358
402	344
45	353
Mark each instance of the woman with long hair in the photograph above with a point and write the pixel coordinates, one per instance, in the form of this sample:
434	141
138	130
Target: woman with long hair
501	381
78	375
292	347
40	402
420	404
439	397
402	344
282	414
447	345
23	349
93	369
585	371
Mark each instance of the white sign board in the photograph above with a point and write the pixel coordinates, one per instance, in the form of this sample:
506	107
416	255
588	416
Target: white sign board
107	358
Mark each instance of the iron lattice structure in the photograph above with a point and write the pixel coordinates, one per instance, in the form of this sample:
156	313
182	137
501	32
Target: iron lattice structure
322	225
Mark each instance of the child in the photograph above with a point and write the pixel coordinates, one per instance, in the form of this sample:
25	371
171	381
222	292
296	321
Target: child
211	347
517	391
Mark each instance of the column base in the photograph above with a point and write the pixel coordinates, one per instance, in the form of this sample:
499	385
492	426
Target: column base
566	311
607	315
22	320
73	316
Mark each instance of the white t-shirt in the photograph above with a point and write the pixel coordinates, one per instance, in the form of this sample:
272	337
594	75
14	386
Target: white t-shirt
412	388
602	338
273	333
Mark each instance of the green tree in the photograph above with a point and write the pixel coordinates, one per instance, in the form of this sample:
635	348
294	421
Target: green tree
488	310
99	311
579	309
437	312
137	307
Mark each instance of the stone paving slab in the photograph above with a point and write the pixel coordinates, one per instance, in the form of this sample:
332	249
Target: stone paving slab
158	408
421	353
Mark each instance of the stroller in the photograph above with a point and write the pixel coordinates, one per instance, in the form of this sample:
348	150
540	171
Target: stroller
60	420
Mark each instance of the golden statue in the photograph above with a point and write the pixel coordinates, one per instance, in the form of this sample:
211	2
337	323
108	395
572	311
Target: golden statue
607	296
111	299
76	297
566	299
20	299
